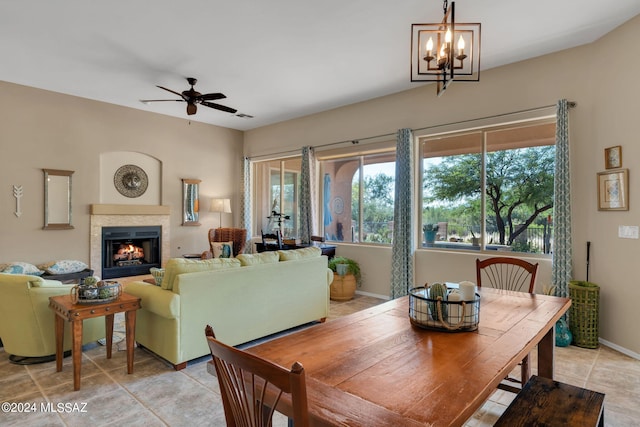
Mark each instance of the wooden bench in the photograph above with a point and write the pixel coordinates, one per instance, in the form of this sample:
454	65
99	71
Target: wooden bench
544	402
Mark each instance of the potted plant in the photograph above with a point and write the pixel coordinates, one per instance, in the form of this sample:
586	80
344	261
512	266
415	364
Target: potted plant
430	231
346	275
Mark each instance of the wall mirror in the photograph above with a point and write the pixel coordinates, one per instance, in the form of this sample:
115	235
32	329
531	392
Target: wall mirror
190	202
57	199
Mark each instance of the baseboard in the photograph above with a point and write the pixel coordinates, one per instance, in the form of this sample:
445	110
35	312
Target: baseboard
369	294
620	349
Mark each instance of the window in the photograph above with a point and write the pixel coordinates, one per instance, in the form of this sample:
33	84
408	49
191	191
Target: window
358	197
277	192
490	188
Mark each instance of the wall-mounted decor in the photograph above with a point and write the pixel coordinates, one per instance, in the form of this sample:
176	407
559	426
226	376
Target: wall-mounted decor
613	190
190	202
131	181
17	193
613	157
57	199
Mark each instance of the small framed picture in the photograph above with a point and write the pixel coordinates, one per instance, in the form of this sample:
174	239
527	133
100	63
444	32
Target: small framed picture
613	157
613	190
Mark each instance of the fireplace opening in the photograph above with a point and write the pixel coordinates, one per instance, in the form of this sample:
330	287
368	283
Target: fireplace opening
130	251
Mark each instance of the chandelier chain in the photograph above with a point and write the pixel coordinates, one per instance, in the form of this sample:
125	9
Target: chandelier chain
445	6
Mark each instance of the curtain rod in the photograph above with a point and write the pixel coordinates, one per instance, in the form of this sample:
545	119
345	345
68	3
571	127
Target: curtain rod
571	104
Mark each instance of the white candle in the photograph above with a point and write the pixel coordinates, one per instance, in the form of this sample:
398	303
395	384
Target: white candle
468	290
455	310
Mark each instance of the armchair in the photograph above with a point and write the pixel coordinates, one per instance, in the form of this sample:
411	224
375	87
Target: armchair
27	323
236	235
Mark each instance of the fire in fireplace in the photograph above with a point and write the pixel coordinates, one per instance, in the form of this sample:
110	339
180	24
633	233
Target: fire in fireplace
130	251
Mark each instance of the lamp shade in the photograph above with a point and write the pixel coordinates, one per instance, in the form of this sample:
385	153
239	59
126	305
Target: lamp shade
220	205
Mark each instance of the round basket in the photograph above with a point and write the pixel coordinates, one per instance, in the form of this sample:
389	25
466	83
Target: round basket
450	316
105	291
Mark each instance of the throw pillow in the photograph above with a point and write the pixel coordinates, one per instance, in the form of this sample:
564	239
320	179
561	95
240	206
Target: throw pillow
177	266
310	252
269	257
22	268
222	249
158	275
65	266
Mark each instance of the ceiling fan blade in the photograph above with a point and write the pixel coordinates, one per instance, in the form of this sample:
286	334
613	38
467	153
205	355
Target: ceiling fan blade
211	96
144	101
219	107
169	90
191	108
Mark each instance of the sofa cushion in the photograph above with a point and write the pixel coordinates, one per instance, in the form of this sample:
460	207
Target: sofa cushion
177	266
222	249
291	254
269	257
64	266
22	268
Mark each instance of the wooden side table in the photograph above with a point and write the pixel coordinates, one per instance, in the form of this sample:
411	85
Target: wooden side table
65	309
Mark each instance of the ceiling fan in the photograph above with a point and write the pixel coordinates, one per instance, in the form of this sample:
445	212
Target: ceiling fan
192	98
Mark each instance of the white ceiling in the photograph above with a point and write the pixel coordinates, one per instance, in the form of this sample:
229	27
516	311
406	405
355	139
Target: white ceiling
273	59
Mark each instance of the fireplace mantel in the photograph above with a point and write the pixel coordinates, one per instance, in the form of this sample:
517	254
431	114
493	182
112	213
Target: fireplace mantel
107	209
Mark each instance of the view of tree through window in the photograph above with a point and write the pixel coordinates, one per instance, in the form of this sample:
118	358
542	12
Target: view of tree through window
518	192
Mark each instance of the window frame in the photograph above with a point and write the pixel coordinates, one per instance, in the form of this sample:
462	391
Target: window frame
485	127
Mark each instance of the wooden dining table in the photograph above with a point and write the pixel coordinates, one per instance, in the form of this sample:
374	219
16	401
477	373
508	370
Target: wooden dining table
373	368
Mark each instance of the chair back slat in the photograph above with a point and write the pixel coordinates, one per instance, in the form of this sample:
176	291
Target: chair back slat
252	388
507	273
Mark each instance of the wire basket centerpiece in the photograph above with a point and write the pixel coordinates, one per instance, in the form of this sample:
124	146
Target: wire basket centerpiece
96	293
437	307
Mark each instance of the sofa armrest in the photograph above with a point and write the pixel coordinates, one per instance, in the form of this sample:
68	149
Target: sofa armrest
160	301
329	276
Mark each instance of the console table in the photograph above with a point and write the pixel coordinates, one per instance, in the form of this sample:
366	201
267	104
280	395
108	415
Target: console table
328	250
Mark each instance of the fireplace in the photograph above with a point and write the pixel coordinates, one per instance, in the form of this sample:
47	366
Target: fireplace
130	250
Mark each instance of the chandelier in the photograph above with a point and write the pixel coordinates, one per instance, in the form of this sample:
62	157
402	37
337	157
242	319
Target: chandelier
445	51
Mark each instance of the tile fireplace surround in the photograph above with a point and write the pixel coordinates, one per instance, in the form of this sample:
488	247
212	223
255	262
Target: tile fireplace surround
126	215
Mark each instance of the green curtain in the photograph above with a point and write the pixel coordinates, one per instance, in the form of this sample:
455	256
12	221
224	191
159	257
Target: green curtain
245	200
561	272
307	187
402	248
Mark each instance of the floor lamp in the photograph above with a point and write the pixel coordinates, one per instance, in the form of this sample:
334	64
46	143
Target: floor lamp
221	206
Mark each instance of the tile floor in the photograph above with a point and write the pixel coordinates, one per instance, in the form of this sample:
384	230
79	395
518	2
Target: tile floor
156	395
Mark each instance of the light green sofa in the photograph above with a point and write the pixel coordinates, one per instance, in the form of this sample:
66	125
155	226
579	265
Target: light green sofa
27	326
241	302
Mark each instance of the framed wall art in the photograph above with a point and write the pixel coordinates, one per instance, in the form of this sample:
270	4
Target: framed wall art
613	190
613	157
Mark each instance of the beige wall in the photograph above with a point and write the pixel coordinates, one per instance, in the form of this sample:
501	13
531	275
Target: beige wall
600	77
41	129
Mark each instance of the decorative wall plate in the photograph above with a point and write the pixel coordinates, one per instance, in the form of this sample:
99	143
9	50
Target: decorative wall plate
131	181
338	205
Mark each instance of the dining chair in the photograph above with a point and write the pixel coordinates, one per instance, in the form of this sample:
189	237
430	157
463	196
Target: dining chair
252	387
272	240
515	275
